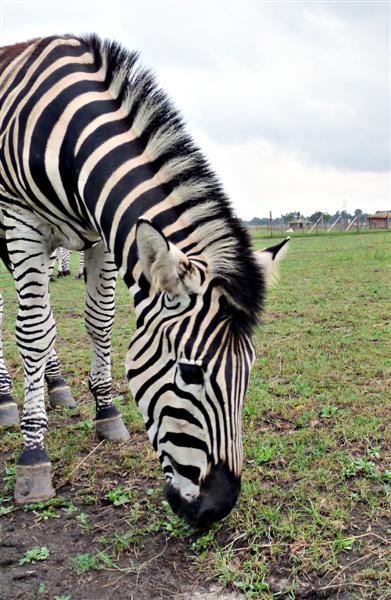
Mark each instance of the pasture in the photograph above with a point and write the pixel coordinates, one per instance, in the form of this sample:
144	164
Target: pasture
313	520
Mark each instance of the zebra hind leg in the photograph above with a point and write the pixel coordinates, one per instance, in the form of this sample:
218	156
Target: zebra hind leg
9	414
64	262
60	395
99	316
81	271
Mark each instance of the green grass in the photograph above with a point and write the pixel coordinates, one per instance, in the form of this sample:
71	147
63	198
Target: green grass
314	508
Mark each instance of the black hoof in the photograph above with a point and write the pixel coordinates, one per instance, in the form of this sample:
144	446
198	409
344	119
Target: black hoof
112	429
60	395
33	482
9	414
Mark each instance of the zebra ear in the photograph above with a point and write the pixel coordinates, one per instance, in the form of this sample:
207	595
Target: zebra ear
162	263
268	259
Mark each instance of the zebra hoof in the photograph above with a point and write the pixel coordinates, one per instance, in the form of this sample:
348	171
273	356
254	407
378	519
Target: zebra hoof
112	429
60	396
33	483
9	414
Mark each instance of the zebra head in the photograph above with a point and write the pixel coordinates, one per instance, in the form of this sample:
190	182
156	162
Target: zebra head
188	367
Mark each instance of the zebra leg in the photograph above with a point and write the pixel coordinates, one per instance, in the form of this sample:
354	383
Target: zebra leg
8	409
80	272
35	334
60	395
99	316
52	264
64	262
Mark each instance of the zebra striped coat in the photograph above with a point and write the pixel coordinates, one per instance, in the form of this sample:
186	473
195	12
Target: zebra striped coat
95	157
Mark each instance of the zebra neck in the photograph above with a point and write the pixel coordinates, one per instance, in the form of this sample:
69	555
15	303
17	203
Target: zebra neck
120	187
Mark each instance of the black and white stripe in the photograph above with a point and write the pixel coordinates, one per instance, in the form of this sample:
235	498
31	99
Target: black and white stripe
103	164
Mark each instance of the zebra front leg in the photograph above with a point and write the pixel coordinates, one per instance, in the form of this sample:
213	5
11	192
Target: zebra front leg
60	395
8	409
101	277
35	334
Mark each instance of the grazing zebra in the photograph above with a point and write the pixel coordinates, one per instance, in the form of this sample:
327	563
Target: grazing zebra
95	157
64	262
63	257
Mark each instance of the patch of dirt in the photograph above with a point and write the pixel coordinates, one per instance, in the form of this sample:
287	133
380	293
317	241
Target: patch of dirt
156	569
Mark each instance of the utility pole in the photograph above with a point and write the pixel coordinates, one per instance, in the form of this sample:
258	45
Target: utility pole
271	224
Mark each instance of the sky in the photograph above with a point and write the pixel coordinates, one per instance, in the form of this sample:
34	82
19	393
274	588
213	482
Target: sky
290	101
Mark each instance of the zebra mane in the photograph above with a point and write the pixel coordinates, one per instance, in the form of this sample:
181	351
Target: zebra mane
200	200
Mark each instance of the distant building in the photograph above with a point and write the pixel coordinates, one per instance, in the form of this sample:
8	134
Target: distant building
299	224
380	220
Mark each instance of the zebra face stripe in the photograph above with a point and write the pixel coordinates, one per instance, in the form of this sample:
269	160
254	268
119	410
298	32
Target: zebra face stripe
188	371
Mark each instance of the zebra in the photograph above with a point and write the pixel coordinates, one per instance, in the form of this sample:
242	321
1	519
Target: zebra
63	257
64	262
95	157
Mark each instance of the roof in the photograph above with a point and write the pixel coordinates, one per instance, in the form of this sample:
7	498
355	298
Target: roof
299	221
381	214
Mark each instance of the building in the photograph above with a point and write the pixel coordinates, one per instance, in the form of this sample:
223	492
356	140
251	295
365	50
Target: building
299	224
380	220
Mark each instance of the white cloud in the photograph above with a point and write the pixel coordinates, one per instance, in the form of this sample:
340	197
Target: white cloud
291	100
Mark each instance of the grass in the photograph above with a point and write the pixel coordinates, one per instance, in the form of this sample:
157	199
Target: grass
314	509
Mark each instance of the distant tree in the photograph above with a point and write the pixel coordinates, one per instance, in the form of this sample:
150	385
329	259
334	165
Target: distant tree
290	216
314	217
256	221
326	217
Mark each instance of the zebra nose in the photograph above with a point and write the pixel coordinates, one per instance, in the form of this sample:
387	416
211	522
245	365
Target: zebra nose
218	496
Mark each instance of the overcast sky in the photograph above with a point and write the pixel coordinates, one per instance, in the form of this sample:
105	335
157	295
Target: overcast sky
290	101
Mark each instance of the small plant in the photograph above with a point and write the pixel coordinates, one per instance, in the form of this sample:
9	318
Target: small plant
70	508
86	425
119	496
43	506
41	588
62	598
361	466
386	476
35	554
9	477
342	543
88	562
264	455
5	510
85	562
82	521
328	412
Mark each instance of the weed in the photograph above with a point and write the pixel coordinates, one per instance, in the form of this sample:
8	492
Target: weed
9	477
88	562
85	562
119	496
87	425
82	521
35	554
328	412
361	466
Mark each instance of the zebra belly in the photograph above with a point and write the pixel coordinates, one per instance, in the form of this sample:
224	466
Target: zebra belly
56	235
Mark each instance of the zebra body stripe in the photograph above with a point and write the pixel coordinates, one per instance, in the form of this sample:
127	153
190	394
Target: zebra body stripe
94	157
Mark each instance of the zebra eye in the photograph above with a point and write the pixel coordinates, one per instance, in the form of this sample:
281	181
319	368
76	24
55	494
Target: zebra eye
192	374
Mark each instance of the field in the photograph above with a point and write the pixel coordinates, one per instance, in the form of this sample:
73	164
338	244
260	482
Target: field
313	519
